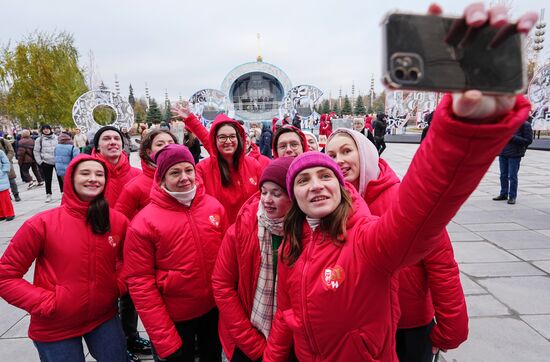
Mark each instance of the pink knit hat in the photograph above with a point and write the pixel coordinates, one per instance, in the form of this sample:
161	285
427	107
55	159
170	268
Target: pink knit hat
169	156
309	160
276	172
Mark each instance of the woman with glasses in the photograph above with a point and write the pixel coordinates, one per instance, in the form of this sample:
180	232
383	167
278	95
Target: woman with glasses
289	141
228	174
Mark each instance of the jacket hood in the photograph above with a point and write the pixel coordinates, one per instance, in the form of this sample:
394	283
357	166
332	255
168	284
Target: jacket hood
147	169
368	157
64	139
161	198
218	122
118	170
70	200
296	130
386	179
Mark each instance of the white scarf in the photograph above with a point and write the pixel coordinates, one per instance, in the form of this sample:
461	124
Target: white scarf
185	197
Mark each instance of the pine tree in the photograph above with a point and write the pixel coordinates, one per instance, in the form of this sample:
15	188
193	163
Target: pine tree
359	107
153	114
131	98
346	109
325	107
167	111
336	109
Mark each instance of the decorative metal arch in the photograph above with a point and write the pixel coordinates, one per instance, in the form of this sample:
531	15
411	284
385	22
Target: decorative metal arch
83	110
539	95
301	100
210	100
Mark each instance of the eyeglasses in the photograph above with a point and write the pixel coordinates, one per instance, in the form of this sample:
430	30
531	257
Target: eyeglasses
224	138
293	145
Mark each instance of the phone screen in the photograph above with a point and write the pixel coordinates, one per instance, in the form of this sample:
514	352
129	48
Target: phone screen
417	57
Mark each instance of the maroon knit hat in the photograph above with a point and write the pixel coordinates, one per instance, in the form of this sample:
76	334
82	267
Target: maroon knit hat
308	160
276	172
169	156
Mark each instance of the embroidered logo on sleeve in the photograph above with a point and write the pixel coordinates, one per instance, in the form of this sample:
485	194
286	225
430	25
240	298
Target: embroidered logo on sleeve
113	240
215	220
333	277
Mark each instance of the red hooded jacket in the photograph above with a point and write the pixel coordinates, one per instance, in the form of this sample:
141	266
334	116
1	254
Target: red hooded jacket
135	194
119	175
244	180
171	251
325	125
255	154
432	282
335	301
75	286
234	280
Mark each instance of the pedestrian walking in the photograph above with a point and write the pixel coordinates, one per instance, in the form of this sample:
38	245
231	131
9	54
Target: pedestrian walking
25	159
6	208
380	125
6	146
64	152
44	149
80	140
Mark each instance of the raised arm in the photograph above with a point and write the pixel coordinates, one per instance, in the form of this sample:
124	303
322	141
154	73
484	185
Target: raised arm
194	125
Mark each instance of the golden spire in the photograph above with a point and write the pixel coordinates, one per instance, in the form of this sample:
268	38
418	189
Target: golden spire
259	57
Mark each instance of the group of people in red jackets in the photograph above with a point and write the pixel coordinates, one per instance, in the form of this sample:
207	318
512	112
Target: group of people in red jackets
312	257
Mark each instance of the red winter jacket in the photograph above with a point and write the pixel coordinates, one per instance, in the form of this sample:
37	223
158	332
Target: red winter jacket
244	180
75	286
171	251
234	281
135	194
432	282
255	154
119	175
325	125
335	302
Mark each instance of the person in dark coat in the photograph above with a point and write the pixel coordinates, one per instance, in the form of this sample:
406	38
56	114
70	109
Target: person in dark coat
509	160
380	125
265	140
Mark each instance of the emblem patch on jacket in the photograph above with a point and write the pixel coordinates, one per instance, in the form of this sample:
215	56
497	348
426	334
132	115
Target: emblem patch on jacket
253	181
113	240
215	219
333	277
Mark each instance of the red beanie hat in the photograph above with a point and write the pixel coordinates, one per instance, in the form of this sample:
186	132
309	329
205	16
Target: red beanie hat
309	160
169	156
276	172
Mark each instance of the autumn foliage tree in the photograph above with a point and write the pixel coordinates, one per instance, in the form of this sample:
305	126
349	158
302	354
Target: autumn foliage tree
40	79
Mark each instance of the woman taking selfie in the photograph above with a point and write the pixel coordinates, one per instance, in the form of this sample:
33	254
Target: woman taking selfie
171	249
76	247
431	286
245	272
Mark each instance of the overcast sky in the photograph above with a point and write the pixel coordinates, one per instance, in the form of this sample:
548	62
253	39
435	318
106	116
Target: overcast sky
184	46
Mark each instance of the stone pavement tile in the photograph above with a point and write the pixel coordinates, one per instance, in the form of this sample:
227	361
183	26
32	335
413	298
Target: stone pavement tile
539	322
526	295
535	222
507	269
464	236
476	217
20	330
469	286
480	252
455	228
9	316
500	340
485	306
18	350
532	254
517	239
544	265
508	226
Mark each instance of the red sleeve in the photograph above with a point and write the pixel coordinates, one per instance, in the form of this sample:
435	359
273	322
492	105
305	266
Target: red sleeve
128	201
25	247
139	258
196	127
280	338
121	278
446	169
447	296
232	314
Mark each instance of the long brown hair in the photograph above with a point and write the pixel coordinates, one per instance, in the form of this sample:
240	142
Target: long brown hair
333	225
223	166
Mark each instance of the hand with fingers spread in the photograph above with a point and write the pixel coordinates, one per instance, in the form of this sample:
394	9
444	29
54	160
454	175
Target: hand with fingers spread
181	110
473	104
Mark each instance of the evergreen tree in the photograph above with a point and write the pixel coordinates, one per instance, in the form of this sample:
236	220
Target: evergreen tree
360	107
336	109
153	113
325	107
379	104
346	108
131	98
167	111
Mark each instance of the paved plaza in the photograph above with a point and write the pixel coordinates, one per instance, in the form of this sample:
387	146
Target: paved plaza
503	251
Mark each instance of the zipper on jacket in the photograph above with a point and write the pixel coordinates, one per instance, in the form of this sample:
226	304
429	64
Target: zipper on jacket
307	324
196	238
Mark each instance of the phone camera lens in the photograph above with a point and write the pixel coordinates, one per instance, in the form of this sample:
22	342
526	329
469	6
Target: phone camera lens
399	73
413	74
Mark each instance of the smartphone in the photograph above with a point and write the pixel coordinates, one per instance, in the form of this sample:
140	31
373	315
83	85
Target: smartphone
417	57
